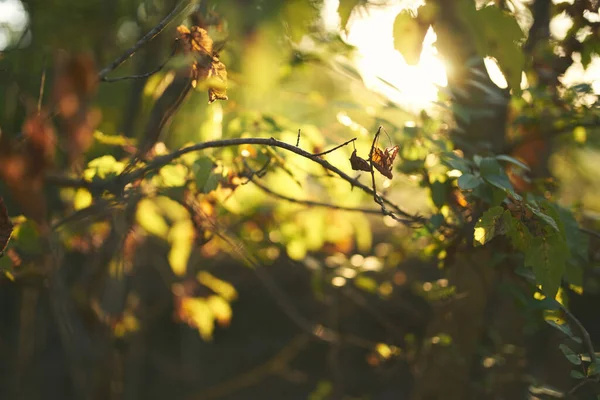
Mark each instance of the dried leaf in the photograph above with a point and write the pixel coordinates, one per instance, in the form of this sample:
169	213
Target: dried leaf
195	39
207	67
217	76
6	227
359	164
383	160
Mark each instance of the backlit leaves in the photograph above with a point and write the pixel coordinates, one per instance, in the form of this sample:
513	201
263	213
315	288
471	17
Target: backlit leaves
409	33
496	34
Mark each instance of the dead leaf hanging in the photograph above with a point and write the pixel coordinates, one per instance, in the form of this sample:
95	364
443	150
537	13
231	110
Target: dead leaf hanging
383	159
359	164
6	227
207	68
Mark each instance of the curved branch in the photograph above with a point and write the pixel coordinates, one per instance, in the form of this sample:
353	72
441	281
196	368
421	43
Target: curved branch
158	162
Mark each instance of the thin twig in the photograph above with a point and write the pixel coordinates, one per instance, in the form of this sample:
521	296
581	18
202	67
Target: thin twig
334	149
311	203
590	232
298	140
147	74
42	85
146	38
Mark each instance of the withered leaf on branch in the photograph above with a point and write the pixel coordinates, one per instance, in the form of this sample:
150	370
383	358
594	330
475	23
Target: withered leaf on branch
383	159
207	68
6	227
359	164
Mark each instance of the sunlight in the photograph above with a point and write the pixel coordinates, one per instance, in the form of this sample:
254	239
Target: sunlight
383	68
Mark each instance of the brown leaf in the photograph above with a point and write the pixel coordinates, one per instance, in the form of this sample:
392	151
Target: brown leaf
359	164
195	39
383	159
206	67
6	227
217	81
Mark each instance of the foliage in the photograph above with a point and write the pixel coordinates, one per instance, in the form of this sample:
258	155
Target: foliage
278	166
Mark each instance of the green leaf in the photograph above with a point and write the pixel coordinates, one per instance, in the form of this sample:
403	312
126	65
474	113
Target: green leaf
576	374
544	217
27	237
438	193
436	220
206	180
409	33
564	328
485	229
570	354
516	231
512	160
547	255
497	34
366	283
456	162
345	10
102	167
469	181
173	175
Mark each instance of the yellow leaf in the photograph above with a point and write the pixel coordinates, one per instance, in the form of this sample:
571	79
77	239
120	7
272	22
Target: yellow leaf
181	237
149	217
220	309
224	289
197	313
82	199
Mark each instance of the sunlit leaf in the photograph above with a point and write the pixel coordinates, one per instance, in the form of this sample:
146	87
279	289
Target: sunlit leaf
345	10
224	289
485	229
220	309
82	199
196	312
173	175
409	33
181	237
296	249
103	167
497	34
112	140
366	283
150	218
383	160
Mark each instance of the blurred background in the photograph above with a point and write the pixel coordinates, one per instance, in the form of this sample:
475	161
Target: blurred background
235	292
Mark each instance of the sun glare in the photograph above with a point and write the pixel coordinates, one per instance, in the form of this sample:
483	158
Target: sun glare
383	68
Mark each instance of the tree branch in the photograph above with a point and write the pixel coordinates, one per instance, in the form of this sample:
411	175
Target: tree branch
146	38
159	162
